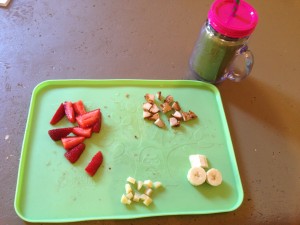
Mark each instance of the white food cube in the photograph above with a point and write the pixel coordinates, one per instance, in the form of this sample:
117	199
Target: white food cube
157	184
129	195
148	183
131	180
147	201
198	161
128	188
143	196
124	200
136	197
148	191
140	185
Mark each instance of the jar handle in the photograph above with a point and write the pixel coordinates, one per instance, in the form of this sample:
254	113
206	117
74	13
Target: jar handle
241	65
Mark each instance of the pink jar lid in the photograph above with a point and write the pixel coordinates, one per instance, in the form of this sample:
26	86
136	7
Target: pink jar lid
241	24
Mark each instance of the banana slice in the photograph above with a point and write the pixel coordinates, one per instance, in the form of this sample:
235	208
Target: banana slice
214	177
198	161
196	176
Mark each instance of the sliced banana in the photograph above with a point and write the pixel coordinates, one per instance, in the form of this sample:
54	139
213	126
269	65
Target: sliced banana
214	177
198	161
196	176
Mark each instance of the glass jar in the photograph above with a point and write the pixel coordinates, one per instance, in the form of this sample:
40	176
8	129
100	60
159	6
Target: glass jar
221	50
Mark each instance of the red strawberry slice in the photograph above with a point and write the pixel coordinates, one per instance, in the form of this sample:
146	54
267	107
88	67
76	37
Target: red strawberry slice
88	119
69	111
74	154
57	134
97	127
58	115
82	132
94	164
79	108
71	142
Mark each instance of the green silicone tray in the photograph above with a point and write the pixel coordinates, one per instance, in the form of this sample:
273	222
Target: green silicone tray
50	189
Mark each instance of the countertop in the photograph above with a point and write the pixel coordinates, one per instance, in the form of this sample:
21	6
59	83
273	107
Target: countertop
142	39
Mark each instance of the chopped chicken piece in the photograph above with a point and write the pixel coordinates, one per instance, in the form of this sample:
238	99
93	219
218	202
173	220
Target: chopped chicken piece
149	98
174	122
165	107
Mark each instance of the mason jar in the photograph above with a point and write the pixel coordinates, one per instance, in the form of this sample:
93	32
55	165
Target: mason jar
221	51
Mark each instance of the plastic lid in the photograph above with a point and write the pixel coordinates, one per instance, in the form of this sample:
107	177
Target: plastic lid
240	24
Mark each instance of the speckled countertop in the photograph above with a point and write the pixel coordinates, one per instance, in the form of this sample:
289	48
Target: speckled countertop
144	39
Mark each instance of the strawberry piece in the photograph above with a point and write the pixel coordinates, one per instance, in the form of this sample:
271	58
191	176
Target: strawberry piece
94	164
82	132
71	142
79	108
97	127
69	111
88	119
57	134
58	115
74	154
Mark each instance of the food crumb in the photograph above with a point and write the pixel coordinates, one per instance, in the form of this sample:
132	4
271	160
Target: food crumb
127	95
6	137
9	156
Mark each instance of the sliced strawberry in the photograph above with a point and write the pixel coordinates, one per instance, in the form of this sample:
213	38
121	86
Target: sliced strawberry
57	134
58	115
74	154
69	111
71	142
97	127
94	164
82	132
88	119
79	108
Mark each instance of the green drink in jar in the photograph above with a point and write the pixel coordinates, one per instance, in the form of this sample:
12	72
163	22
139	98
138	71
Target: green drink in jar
221	50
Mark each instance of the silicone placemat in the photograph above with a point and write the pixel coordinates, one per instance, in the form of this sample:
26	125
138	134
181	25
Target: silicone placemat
50	189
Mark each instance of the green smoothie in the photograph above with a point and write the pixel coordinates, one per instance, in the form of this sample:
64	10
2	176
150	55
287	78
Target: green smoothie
212	54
